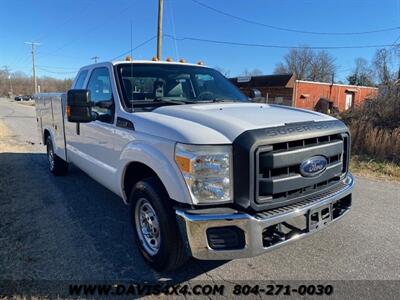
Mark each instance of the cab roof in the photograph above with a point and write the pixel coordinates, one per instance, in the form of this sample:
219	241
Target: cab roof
119	62
154	62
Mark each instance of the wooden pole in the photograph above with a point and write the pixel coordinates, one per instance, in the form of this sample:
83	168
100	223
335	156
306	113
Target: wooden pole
159	28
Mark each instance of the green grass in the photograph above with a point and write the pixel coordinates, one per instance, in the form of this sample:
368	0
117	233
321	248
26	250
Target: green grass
370	167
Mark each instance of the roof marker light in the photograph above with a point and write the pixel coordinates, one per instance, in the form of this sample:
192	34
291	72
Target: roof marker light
200	63
155	58
128	58
182	60
169	59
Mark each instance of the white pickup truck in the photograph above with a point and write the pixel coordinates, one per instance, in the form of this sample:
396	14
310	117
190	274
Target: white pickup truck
204	170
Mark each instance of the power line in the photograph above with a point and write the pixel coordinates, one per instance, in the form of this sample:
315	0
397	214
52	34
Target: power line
276	46
292	29
57	72
91	30
62	68
138	46
66	21
395	42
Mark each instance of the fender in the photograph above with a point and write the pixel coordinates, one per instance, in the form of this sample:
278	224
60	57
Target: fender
163	166
57	150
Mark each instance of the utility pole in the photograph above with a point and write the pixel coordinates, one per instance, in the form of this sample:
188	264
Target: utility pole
95	58
159	28
33	44
7	70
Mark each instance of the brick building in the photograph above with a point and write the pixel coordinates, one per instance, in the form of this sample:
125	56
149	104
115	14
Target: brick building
325	97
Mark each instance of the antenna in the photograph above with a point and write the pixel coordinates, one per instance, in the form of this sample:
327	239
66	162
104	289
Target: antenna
95	58
131	92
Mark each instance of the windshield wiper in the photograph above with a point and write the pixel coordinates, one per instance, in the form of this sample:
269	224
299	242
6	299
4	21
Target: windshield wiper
171	101
214	100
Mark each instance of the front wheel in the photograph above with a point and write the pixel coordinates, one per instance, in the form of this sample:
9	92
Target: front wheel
155	226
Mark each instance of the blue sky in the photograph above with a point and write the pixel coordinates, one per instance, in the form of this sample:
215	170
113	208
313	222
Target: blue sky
71	32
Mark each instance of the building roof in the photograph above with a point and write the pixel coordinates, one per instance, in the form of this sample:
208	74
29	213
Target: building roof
349	86
278	80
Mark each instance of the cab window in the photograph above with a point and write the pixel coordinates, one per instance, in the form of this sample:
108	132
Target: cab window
100	89
81	80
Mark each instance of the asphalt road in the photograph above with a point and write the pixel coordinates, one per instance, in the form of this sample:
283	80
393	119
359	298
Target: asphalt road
72	228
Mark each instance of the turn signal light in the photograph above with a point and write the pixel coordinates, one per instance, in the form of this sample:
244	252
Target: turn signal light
183	163
68	111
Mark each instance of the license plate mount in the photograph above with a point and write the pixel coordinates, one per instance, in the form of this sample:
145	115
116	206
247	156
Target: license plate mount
319	217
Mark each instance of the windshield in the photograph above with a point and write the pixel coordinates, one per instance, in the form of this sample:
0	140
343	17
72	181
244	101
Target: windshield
147	86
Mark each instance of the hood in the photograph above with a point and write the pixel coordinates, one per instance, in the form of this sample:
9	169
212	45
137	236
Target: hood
232	119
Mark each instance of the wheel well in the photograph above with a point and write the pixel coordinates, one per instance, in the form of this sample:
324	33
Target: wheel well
46	134
135	172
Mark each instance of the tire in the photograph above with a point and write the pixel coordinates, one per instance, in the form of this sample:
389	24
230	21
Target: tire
57	165
149	201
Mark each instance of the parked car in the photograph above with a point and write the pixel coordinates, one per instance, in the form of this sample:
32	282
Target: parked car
26	97
18	98
205	172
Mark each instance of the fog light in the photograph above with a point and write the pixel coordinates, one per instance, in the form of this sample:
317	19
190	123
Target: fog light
225	238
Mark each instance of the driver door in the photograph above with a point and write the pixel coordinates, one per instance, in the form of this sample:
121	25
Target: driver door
95	140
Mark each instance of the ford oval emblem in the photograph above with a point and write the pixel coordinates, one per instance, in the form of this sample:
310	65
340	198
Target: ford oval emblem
313	166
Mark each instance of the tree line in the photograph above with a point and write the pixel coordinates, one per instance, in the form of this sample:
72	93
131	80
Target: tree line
18	83
312	65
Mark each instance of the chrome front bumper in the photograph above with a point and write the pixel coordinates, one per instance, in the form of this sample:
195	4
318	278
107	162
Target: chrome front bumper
194	226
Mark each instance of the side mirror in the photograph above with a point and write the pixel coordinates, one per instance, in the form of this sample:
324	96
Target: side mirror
255	95
79	106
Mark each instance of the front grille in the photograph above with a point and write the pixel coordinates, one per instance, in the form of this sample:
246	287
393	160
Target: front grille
303	203
278	180
266	162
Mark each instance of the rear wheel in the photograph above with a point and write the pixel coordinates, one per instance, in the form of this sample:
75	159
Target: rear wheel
57	166
155	227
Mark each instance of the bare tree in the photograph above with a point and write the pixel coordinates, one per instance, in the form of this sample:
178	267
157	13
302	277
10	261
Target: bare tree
382	62
254	72
22	84
362	73
308	65
296	61
322	67
223	71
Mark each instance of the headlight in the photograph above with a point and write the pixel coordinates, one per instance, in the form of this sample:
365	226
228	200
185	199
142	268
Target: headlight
207	171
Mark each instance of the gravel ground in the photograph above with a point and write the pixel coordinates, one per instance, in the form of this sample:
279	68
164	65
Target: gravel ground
64	228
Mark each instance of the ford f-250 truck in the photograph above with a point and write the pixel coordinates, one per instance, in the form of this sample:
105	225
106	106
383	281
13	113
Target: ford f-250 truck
204	170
